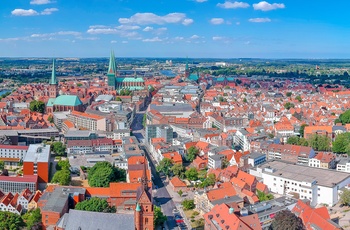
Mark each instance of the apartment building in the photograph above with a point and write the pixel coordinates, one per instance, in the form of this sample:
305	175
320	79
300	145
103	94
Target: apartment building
87	121
12	154
290	153
323	160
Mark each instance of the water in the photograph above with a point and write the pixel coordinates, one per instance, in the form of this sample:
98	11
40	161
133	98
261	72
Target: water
3	91
168	73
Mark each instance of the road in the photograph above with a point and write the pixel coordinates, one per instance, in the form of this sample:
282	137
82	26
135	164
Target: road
162	196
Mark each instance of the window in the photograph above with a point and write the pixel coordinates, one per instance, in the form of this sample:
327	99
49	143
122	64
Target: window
146	221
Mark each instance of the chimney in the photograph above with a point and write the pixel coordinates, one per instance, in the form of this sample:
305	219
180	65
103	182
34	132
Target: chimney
231	210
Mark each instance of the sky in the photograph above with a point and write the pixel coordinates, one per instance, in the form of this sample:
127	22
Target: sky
175	28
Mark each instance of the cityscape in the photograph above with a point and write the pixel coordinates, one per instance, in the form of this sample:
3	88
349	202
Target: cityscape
196	114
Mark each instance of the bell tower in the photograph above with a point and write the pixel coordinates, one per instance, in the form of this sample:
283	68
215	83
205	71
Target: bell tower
53	88
144	208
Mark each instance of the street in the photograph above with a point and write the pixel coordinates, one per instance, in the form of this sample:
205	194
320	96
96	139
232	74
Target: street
161	196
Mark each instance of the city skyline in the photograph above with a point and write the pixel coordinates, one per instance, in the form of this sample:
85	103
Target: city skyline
194	28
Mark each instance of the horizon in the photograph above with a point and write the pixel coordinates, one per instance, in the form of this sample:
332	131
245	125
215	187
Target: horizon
288	29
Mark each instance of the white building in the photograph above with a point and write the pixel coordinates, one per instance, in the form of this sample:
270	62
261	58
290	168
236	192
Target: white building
344	165
320	186
88	121
12	154
215	161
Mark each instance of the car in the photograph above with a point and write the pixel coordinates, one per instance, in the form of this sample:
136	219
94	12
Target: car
175	210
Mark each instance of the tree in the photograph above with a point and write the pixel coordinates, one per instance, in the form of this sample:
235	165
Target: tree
301	130
159	217
58	148
245	100
341	143
345	197
95	204
180	192
37	106
192	153
286	220
118	99
11	221
294	140
178	170
192	174
33	219
209	181
62	177
2	165
288	105
165	166
144	120
319	142
345	117
63	165
264	197
103	173
288	94
188	204
225	163
50	119
298	98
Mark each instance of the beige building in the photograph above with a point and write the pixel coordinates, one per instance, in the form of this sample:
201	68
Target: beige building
87	121
323	160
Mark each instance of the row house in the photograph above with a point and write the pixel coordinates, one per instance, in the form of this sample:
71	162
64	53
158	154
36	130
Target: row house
290	153
18	202
323	160
90	146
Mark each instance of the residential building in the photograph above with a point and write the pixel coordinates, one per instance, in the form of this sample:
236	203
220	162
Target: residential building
18	184
320	186
344	165
36	162
24	198
9	203
215	161
178	184
290	153
11	155
88	121
90	146
323	160
159	131
255	159
33	203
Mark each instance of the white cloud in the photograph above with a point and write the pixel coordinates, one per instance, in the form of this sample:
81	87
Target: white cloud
233	5
40	2
160	31
218	38
151	18
147	29
259	20
127	27
179	38
217	21
22	12
265	6
155	39
194	36
49	11
61	33
122	31
200	1
101	30
124	42
74	33
114	41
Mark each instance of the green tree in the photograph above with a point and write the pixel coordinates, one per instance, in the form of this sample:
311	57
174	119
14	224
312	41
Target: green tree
62	177
225	163
180	192
294	140
288	94
288	105
178	170
245	100
285	219
188	204
33	219
58	148
103	173
50	119
165	166
2	165
63	165
345	197
144	120
345	117
301	130
37	106
298	98
341	143
209	181
264	197
159	217
303	142
319	142
11	221
192	153
118	99
192	174
95	204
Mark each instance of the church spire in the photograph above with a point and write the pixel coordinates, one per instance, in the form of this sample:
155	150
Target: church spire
112	69
53	80
144	179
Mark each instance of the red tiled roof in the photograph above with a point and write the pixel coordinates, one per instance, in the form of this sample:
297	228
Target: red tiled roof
176	182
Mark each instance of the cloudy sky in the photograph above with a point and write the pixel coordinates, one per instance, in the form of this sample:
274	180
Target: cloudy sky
175	28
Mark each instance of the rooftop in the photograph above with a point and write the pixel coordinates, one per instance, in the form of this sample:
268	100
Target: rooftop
68	100
56	200
37	153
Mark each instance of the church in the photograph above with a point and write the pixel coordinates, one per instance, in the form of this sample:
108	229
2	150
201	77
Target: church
118	83
57	103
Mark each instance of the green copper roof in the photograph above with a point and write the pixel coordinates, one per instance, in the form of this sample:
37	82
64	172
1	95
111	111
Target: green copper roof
112	69
50	102
130	79
193	77
220	79
53	80
68	100
138	208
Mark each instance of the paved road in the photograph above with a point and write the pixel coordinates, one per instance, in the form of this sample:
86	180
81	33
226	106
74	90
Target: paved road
162	197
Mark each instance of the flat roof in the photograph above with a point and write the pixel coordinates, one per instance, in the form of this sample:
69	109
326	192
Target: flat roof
37	153
324	177
56	200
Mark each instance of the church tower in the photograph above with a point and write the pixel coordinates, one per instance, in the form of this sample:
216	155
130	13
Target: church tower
187	70
144	207
53	88
112	72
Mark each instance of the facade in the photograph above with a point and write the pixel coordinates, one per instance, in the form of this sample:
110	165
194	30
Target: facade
88	121
12	154
36	162
90	146
291	153
18	184
255	159
323	160
344	165
320	186
159	131
215	161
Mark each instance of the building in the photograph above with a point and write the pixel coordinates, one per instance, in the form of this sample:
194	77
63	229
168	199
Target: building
11	155
33	203
255	159
112	72
87	121
215	161
323	160
159	131
320	186
90	146
177	184
36	162
18	184
291	153
225	217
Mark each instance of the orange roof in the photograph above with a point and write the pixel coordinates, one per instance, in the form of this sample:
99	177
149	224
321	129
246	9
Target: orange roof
157	140
238	183
221	193
136	160
69	124
313	129
261	187
249	179
176	182
91	116
174	156
136	175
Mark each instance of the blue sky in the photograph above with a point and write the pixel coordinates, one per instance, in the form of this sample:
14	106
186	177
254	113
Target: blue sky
175	28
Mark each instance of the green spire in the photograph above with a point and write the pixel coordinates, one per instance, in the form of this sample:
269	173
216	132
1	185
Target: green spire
112	69
138	207
186	63
53	80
